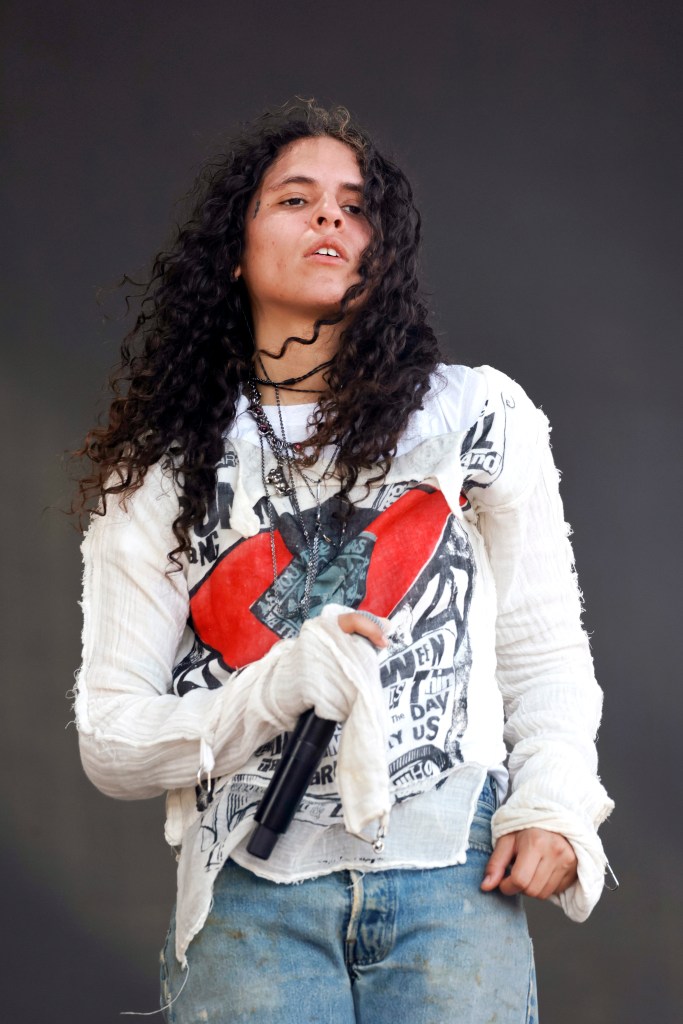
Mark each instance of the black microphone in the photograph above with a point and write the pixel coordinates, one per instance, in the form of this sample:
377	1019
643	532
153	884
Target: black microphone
300	758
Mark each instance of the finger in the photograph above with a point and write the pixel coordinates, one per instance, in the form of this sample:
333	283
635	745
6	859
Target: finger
545	865
559	868
563	876
352	622
510	887
499	861
570	863
568	879
553	884
550	879
541	883
524	871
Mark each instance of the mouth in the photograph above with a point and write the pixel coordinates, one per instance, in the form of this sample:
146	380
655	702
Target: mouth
328	251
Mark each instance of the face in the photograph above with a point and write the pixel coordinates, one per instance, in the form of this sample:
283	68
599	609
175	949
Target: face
305	232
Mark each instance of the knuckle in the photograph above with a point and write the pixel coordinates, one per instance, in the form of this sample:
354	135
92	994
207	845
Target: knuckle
521	878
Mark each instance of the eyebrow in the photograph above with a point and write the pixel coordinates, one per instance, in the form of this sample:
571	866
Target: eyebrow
302	179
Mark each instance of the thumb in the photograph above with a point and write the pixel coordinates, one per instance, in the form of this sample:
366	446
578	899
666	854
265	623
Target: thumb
499	861
371	627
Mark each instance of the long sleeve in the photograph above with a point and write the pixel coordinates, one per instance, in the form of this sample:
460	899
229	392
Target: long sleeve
544	667
137	738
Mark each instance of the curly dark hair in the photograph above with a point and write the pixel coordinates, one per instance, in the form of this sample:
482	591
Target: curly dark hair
187	358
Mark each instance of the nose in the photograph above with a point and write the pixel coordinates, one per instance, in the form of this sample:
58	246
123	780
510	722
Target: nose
328	213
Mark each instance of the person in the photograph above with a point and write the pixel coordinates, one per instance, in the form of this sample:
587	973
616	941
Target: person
298	504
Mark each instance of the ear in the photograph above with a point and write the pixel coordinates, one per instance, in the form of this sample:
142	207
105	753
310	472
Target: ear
237	273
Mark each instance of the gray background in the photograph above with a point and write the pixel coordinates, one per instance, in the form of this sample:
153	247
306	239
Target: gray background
544	142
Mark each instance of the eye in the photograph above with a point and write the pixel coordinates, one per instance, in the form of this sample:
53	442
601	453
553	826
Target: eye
353	209
293	201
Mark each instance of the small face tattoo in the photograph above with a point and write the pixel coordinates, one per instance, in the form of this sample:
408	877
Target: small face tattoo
257	207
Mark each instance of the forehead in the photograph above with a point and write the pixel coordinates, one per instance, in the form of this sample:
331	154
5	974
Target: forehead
322	159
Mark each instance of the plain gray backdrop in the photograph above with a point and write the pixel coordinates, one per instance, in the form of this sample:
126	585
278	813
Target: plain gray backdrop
544	143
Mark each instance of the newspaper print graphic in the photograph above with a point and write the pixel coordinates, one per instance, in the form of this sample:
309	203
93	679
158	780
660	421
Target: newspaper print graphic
407	558
403	556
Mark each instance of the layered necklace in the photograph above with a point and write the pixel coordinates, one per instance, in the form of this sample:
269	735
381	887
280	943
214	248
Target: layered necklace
282	478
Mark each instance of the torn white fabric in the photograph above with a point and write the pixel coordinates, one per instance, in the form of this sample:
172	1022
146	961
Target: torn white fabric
202	671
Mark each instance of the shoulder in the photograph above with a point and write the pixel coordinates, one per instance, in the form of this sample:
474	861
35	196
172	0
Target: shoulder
456	396
130	536
502	448
150	507
499	387
459	394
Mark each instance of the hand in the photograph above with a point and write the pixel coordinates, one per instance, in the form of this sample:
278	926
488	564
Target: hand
330	681
354	622
542	864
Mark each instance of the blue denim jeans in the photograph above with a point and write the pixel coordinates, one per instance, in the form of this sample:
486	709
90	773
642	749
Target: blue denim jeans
425	947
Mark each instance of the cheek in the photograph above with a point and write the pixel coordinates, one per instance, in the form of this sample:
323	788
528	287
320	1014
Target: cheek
263	260
270	251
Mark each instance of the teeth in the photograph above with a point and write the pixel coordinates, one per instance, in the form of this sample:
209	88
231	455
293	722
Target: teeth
326	252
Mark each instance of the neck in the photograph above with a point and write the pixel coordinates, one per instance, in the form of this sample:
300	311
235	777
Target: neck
298	360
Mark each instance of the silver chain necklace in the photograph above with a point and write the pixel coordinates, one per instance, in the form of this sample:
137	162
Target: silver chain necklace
283	479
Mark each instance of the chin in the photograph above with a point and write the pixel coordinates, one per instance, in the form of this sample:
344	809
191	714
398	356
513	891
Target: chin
323	308
328	303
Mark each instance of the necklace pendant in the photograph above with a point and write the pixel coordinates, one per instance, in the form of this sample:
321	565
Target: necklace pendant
276	479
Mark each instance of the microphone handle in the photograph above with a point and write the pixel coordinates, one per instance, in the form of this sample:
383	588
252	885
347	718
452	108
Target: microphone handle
300	758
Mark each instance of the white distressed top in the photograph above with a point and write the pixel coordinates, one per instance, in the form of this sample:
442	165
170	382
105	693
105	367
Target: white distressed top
462	546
